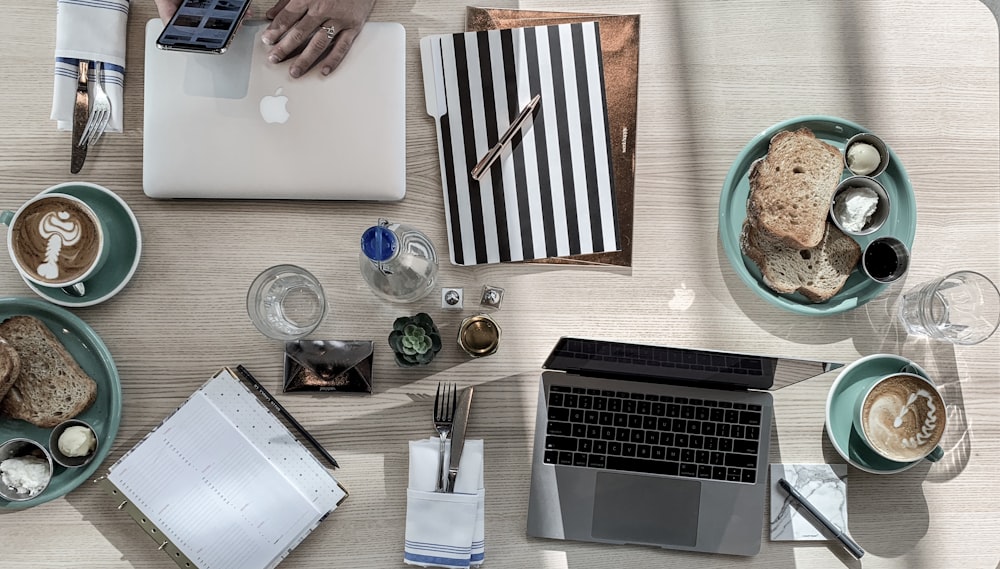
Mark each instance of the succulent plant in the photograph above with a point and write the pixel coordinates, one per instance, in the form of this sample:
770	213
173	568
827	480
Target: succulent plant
414	340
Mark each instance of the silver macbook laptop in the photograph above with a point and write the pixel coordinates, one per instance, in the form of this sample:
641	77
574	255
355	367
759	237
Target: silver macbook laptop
655	445
237	126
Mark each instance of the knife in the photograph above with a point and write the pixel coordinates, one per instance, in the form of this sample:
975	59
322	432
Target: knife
458	436
81	111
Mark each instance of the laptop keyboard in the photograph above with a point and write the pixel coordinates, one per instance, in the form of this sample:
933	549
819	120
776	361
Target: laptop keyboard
655	434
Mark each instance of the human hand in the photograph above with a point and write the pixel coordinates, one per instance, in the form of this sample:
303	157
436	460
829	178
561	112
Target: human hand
306	25
166	8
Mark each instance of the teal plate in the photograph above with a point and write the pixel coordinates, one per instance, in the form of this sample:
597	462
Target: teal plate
901	224
849	385
104	415
126	246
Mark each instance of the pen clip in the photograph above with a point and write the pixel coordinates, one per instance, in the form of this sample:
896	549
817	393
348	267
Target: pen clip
491	156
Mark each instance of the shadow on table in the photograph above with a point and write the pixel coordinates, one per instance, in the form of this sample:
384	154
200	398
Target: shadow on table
503	411
888	514
875	329
871	496
878	330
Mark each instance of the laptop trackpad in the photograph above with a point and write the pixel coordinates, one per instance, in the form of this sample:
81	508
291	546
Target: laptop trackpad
646	509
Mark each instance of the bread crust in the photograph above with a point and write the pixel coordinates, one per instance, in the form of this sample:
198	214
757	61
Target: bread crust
791	188
10	367
51	386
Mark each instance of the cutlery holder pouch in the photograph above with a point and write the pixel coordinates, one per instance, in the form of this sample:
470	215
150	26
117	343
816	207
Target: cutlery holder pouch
445	529
329	366
441	518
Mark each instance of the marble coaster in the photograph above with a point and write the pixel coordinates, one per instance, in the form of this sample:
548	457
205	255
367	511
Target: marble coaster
824	485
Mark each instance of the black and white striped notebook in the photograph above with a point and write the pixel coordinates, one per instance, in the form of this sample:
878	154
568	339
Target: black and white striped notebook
551	194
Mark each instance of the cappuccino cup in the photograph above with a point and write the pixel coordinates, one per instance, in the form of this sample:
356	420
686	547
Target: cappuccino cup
902	417
55	240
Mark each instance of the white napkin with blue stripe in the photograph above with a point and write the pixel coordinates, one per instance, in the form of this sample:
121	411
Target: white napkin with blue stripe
93	30
445	529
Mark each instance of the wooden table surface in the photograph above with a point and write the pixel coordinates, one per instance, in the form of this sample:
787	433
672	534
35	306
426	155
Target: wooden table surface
922	74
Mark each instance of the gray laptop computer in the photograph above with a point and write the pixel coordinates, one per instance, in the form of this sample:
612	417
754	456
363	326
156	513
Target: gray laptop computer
655	445
237	126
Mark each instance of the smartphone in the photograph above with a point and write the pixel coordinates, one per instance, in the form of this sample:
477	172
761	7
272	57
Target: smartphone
203	26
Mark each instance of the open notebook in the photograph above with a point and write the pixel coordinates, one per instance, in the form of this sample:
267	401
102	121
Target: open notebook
222	483
552	192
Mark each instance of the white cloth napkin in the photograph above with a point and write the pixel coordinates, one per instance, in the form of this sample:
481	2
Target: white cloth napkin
93	30
445	529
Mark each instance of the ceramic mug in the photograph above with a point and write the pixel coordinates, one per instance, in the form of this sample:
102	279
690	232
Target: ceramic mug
901	416
55	240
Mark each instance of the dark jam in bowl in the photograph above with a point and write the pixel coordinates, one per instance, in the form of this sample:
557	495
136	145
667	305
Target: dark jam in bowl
881	260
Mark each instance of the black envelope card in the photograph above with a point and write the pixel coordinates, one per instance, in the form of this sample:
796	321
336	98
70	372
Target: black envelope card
329	365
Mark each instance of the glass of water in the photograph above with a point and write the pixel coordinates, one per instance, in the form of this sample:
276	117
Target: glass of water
286	302
962	308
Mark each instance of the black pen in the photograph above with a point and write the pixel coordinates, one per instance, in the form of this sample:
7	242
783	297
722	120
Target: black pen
284	413
842	537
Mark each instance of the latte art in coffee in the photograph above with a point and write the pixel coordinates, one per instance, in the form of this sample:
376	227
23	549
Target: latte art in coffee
55	240
930	421
59	230
902	418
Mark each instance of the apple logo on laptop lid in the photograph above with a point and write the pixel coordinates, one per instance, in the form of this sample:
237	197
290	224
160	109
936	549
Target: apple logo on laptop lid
272	108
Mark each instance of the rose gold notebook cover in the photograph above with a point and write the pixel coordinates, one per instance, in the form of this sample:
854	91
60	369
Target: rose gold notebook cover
620	50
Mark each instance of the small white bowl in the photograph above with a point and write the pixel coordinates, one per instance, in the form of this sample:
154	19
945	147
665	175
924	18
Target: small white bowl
15	448
59	456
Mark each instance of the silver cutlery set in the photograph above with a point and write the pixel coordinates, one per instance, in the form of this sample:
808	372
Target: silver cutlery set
90	114
451	416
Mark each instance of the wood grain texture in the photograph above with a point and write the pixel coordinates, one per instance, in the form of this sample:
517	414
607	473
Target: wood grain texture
922	74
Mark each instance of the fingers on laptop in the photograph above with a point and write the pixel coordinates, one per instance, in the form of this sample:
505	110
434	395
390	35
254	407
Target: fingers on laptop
278	7
340	48
297	29
288	32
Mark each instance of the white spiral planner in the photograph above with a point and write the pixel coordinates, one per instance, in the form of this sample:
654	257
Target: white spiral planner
222	484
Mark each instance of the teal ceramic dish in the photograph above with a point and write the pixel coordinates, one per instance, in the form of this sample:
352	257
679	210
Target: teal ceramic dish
104	415
845	391
126	247
901	223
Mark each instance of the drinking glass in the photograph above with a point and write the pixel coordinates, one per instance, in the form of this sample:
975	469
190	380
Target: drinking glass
286	302
962	308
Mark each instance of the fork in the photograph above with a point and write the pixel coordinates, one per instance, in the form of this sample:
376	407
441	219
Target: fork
445	402
100	109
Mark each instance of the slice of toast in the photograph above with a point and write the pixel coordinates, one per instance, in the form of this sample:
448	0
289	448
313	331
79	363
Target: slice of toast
791	188
51	386
818	273
10	367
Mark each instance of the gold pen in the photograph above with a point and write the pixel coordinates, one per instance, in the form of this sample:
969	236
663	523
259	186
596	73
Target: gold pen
491	156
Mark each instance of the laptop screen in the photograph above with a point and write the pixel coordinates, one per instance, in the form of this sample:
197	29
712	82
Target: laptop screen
672	365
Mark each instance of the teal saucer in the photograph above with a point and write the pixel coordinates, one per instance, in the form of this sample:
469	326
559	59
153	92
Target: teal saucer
849	385
125	243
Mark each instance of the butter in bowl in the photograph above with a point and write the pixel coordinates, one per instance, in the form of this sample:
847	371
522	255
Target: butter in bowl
73	443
